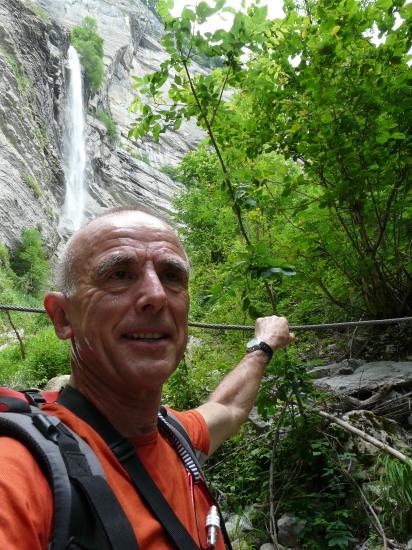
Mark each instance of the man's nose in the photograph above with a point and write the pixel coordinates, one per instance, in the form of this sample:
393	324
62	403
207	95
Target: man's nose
151	294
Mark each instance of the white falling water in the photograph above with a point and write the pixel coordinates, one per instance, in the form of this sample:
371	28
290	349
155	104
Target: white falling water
74	150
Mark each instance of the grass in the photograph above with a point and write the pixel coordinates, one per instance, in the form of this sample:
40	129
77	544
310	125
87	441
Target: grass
33	184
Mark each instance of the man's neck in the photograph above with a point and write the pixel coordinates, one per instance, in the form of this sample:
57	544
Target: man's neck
132	415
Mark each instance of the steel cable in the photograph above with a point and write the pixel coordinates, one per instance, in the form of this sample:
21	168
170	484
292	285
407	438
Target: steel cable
217	326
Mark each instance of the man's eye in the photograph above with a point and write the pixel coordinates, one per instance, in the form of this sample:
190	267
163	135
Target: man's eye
121	275
174	277
171	276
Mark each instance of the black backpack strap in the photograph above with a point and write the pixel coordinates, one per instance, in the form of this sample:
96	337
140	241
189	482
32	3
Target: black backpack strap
76	477
125	453
96	491
20	427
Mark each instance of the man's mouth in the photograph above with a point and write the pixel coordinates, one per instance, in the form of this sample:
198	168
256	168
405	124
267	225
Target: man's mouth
146	336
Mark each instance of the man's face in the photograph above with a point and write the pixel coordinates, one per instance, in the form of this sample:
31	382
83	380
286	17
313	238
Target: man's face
129	311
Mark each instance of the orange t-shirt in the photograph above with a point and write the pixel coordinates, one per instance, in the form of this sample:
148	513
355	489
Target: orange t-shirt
26	509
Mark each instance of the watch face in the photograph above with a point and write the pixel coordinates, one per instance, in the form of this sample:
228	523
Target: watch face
253	342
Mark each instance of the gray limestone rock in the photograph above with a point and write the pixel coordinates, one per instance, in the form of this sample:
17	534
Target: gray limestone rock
31	84
289	529
57	382
368	376
33	51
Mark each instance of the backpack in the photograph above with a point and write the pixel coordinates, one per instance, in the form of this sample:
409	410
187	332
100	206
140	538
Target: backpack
76	477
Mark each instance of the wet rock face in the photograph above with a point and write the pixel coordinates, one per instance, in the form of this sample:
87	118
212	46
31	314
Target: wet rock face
129	173
31	83
33	51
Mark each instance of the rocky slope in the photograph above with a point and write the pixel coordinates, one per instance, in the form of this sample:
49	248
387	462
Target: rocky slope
31	86
34	38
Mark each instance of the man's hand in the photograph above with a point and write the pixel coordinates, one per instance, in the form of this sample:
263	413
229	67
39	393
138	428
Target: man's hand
229	405
274	331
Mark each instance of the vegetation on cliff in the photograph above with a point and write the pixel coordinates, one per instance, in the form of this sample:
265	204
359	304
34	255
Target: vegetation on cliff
30	352
89	46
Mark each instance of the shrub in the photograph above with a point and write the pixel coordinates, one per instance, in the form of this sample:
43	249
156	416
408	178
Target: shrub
89	46
4	256
171	171
30	262
46	357
111	127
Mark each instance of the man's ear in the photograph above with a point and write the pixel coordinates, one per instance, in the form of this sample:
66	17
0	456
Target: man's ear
56	306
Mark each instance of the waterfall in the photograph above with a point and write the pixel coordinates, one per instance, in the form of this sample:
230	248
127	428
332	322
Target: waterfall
74	148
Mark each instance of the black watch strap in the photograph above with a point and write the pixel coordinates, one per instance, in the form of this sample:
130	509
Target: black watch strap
257	344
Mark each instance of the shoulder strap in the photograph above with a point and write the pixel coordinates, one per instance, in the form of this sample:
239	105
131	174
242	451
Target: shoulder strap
173	422
174	430
125	452
20	426
192	458
76	477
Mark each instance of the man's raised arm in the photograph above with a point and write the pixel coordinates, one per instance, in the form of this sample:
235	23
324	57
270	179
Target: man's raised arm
229	405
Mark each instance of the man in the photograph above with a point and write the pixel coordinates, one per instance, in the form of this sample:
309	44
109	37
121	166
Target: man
124	307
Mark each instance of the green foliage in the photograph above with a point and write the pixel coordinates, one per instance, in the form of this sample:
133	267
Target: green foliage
305	171
4	257
112	131
345	204
46	357
33	184
89	45
30	263
39	12
139	155
171	171
394	488
19	74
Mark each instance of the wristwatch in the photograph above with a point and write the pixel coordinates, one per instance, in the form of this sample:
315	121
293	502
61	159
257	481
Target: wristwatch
257	343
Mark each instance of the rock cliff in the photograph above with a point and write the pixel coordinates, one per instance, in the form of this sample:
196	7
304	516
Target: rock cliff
34	38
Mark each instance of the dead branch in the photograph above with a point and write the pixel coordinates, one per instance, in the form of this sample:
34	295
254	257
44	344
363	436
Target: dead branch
352	429
369	509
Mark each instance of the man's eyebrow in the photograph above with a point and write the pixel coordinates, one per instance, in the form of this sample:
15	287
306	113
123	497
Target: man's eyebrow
116	260
174	263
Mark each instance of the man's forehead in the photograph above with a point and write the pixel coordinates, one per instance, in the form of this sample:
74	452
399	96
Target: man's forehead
129	219
131	226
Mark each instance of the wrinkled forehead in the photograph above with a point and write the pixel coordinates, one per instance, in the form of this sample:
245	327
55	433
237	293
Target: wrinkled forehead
120	228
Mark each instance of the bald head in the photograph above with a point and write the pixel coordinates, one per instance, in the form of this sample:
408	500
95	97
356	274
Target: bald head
82	243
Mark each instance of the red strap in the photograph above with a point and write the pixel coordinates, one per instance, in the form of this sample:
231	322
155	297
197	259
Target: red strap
7	392
49	396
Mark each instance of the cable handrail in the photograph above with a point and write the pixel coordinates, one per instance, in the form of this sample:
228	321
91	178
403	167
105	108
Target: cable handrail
218	326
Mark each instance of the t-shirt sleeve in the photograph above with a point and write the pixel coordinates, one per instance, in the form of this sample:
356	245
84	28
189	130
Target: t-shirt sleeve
197	429
26	499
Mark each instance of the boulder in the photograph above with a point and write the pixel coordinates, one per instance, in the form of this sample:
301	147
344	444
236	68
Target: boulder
57	383
289	529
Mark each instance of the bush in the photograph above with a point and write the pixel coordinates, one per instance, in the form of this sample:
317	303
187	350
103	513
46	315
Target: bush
111	127
30	262
89	46
33	183
46	357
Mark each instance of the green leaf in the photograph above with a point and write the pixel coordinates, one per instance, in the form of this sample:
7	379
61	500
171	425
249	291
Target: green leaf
382	138
156	130
164	7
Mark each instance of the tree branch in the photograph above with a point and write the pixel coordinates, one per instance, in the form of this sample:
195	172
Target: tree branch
16	332
369	438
